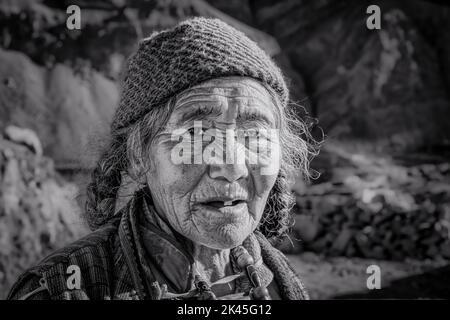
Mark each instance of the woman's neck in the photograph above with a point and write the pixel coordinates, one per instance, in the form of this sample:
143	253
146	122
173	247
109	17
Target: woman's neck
211	264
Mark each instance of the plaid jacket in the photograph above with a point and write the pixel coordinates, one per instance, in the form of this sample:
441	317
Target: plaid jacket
114	264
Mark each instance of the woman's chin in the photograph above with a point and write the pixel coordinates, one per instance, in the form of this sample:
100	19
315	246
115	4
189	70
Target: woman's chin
225	237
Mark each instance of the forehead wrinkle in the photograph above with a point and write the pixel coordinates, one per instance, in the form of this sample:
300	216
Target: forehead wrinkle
244	82
183	102
196	109
201	102
237	96
191	100
198	113
237	86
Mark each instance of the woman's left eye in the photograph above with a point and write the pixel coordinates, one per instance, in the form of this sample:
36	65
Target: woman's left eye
253	133
196	130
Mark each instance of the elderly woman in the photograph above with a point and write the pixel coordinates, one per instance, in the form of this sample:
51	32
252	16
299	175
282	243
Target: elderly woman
203	126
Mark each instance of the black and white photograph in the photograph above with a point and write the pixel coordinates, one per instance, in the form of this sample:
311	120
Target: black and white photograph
231	150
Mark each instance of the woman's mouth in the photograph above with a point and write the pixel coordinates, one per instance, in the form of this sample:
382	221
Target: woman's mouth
217	204
229	210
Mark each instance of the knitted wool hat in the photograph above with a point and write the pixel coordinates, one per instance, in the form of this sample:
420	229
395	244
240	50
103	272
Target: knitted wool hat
194	51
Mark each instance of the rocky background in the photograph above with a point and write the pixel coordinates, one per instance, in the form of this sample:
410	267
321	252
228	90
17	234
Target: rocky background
380	96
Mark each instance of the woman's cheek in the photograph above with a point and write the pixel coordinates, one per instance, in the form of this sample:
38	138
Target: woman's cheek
171	172
263	177
178	182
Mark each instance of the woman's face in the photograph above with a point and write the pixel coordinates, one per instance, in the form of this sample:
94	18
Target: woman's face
213	166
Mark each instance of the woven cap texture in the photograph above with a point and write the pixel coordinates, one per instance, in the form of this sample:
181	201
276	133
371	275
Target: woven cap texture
194	51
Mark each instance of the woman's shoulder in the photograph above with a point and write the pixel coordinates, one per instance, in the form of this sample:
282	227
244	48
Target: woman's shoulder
67	272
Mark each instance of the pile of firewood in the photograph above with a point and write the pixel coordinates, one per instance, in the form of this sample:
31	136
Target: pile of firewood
382	211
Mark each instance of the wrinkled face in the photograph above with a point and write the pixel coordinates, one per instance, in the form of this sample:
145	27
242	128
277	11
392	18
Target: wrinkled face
213	166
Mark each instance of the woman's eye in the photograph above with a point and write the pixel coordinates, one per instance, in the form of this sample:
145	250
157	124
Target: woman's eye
195	131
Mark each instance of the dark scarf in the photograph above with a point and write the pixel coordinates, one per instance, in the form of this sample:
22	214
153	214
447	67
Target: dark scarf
156	254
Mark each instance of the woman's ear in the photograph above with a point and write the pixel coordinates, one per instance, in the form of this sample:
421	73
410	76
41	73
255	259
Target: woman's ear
136	165
137	172
141	178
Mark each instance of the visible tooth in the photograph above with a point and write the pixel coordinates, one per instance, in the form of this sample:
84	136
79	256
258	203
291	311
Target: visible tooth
228	203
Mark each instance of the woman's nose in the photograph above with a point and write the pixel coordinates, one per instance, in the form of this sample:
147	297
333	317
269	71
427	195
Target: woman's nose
233	165
228	172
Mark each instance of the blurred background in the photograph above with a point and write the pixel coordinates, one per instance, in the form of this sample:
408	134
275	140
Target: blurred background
380	96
